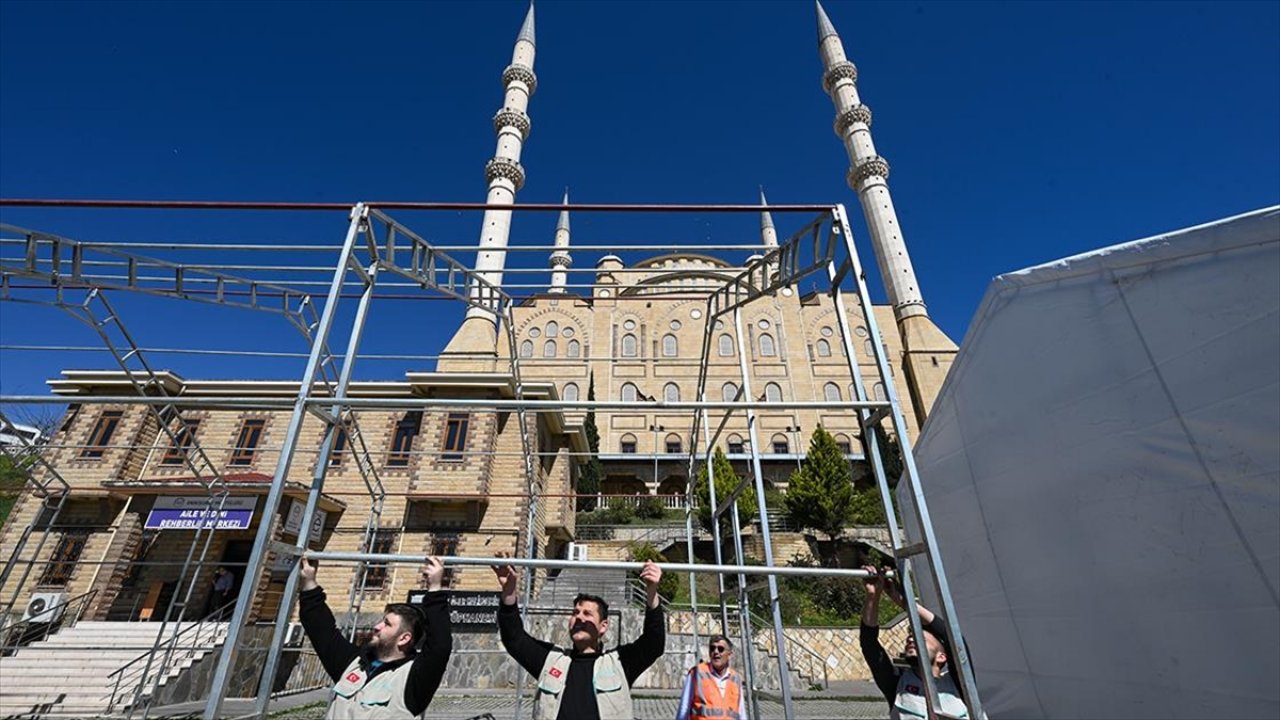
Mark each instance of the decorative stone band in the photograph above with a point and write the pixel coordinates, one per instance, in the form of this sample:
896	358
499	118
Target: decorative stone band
558	260
838	72
855	114
871	167
501	167
507	117
521	73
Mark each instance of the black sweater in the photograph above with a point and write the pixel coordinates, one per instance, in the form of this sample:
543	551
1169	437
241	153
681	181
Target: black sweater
336	652
579	699
882	668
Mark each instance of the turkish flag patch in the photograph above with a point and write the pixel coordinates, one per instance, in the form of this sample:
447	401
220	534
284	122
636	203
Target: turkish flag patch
555	672
913	689
353	677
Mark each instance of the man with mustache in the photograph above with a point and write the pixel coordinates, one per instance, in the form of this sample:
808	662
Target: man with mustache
584	682
903	687
388	677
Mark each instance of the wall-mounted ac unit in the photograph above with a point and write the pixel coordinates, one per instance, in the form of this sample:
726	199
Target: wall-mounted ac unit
577	551
45	607
293	637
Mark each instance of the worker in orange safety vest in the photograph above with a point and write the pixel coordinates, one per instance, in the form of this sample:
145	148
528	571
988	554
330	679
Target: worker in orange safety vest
713	689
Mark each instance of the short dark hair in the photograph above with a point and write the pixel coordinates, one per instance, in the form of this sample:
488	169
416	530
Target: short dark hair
599	601
411	619
715	638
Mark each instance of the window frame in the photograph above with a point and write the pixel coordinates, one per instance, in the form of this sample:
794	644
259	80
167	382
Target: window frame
407	428
184	438
65	558
104	428
244	452
453	441
377	575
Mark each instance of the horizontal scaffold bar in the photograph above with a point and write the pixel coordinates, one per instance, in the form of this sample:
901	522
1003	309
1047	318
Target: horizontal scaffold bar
420	403
592	564
398	205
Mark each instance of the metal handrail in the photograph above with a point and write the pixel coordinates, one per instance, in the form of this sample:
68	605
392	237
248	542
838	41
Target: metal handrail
168	646
756	623
15	636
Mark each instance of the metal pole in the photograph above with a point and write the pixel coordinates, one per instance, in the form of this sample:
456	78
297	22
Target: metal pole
761	504
218	690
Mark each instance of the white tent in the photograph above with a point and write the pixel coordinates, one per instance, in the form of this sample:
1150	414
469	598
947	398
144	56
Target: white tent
1103	472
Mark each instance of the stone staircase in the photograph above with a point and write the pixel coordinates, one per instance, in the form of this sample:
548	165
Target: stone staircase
70	673
612	585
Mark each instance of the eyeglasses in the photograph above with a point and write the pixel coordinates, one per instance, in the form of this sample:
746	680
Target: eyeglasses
718	649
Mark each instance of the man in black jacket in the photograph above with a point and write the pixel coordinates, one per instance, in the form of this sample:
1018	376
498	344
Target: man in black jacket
584	682
387	677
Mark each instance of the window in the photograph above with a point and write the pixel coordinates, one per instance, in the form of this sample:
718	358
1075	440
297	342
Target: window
729	392
339	447
669	346
455	436
402	440
726	346
553	329
780	446
375	573
570	391
831	392
628	444
567	332
445	546
526	349
73	412
65	556
628	392
574	348
735	445
879	391
247	442
842	442
673	443
766	345
181	442
772	393
549	349
671	392
100	437
628	346
869	347
824	348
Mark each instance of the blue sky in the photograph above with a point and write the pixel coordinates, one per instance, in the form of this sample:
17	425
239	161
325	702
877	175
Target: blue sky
1017	133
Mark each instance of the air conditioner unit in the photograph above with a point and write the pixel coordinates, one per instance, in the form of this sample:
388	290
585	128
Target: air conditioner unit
577	551
45	607
293	637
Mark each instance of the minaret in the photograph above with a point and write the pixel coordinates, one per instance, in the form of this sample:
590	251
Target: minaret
768	235
476	338
928	352
561	261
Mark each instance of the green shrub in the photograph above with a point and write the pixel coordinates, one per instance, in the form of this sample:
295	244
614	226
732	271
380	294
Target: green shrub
669	585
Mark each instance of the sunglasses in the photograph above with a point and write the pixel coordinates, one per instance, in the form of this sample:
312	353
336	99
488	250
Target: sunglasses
719	649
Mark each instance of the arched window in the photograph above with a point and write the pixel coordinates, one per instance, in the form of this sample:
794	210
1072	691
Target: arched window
549	348
869	347
669	347
726	346
735	444
573	349
766	345
879	391
824	348
729	392
772	393
671	392
673	443
780	445
526	349
628	345
628	392
570	391
842	442
831	392
627	444
553	329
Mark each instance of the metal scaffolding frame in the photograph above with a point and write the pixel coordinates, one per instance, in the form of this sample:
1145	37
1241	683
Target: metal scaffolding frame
375	245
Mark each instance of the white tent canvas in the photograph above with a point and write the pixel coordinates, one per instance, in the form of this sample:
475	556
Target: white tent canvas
1102	468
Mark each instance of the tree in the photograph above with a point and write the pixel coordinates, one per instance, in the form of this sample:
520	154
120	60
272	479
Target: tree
821	495
669	585
726	482
590	473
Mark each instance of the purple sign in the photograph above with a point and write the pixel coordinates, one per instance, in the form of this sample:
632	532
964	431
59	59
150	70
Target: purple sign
166	519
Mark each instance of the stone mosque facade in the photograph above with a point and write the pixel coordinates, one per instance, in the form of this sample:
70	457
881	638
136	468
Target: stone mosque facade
455	480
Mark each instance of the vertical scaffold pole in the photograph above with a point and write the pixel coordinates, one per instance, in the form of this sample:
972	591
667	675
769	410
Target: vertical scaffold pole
222	676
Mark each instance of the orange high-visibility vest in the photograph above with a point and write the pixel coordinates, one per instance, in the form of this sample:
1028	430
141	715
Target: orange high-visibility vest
707	701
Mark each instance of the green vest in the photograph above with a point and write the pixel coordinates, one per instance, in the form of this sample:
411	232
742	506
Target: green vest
613	695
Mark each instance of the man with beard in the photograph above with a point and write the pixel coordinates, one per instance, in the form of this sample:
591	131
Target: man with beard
389	677
584	682
903	687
